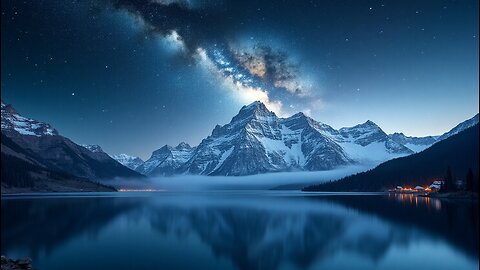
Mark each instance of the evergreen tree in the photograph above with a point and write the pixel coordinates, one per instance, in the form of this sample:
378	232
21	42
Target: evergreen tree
449	184
469	181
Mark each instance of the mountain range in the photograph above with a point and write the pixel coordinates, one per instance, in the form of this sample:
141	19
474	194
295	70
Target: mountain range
257	141
458	152
25	140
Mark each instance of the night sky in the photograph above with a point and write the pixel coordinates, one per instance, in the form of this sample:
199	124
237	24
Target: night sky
132	76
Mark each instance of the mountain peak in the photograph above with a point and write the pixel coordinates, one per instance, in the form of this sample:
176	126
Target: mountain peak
298	115
256	110
369	123
460	127
128	161
165	148
9	108
367	126
12	121
183	145
93	148
255	106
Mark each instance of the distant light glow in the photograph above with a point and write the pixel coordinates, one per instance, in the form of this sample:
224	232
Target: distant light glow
140	190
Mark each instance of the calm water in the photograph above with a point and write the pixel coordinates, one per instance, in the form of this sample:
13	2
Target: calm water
235	230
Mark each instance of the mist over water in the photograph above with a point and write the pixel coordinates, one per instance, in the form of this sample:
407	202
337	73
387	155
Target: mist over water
280	180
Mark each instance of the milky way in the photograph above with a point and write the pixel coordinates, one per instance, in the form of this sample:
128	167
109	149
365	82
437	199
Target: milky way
133	75
258	72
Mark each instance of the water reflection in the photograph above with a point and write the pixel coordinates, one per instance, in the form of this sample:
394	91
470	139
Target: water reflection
405	198
454	220
239	231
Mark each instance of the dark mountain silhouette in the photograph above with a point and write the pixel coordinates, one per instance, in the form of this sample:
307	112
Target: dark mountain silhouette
23	171
459	152
42	142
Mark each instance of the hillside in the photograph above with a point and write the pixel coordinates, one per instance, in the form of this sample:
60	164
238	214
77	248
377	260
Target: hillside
459	151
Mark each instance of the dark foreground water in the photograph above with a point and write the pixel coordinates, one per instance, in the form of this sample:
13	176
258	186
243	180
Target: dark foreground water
235	230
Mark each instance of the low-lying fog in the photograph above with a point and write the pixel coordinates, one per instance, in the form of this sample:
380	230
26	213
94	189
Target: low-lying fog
281	180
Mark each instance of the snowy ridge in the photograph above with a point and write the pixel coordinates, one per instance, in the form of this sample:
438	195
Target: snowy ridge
59	153
128	161
93	148
13	122
166	160
460	127
418	144
257	141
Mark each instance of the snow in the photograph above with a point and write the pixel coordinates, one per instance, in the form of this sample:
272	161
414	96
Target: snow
291	156
460	127
23	125
417	147
92	148
373	153
150	164
181	156
224	156
123	158
26	132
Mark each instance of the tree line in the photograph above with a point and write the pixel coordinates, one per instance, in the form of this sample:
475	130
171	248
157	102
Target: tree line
469	184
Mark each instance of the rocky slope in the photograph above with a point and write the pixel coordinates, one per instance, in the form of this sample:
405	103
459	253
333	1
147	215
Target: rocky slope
257	141
59	153
128	161
166	160
418	144
23	171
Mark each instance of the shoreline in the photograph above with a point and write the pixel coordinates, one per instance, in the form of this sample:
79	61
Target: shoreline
453	195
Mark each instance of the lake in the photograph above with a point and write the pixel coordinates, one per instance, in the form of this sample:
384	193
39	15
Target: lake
240	230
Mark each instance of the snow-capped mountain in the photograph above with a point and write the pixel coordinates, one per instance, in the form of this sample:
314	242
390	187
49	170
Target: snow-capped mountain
93	148
124	159
14	122
368	143
460	127
166	160
257	141
44	144
416	144
128	161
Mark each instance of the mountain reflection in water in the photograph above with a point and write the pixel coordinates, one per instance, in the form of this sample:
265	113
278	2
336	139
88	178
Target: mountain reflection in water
233	230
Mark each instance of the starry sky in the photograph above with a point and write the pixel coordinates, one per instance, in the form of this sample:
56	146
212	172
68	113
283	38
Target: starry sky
132	76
